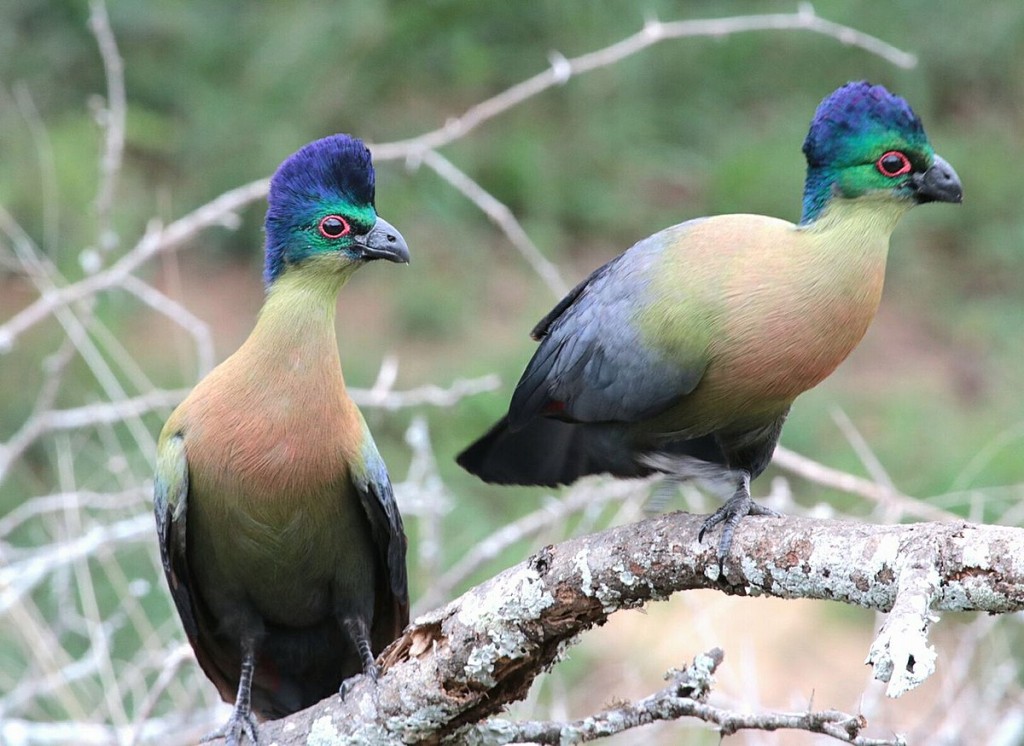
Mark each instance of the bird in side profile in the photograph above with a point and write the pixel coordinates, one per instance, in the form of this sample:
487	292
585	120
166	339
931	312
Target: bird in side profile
280	537
684	353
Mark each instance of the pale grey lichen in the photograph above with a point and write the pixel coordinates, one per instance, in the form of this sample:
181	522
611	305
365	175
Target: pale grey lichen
480	663
754	574
626	577
967	593
955	595
976	554
799	573
423	723
489	733
704	665
609	598
498	614
902	656
323	732
712	571
900	653
580	562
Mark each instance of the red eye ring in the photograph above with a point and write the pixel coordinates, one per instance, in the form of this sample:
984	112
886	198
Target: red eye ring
334	226
893	163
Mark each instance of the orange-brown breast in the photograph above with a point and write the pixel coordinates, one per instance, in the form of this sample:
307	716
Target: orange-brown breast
786	307
269	440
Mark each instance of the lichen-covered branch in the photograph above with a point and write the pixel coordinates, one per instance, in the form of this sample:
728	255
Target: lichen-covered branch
464	662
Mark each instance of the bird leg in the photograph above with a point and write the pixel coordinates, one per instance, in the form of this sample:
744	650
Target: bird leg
360	637
241	720
738	506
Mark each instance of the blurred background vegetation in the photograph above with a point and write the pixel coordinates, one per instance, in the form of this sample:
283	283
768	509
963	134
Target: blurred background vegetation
219	93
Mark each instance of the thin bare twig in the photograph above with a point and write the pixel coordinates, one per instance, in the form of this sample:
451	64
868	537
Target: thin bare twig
156	240
112	120
197	329
428	395
47	169
53	420
76	499
501	216
863	449
165	731
19	578
173	660
653	32
683	697
423	494
826	476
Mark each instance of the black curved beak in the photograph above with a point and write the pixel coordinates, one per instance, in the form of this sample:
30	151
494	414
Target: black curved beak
938	184
383	242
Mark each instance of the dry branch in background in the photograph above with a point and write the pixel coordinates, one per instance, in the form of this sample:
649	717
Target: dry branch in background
653	32
683	697
462	663
223	209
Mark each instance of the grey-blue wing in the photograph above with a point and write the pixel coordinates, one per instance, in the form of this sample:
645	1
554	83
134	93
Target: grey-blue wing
594	363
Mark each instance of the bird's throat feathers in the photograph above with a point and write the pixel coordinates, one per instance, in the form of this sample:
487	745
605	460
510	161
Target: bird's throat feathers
861	221
302	303
317	280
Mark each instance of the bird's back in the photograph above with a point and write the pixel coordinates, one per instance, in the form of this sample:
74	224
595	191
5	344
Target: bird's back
711	326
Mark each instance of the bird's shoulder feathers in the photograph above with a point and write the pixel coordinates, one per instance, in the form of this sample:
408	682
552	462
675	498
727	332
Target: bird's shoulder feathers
594	362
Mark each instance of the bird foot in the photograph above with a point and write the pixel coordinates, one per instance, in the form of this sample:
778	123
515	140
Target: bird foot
735	509
232	730
372	672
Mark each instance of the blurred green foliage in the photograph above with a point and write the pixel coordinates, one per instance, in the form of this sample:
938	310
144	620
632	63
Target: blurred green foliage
220	92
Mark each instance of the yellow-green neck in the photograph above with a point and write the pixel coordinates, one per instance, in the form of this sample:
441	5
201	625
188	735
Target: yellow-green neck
850	220
297	319
844	262
848	247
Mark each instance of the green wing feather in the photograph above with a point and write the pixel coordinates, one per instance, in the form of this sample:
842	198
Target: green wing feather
170	506
370	478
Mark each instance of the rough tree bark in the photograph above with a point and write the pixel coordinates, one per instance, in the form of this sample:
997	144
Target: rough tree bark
456	666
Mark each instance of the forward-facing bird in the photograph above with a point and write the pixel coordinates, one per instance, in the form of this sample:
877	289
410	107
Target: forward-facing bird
684	353
281	540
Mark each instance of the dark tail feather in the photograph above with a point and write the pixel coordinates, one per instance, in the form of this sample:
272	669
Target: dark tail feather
548	452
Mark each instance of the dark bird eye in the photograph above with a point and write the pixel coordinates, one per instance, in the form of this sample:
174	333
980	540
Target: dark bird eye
893	163
334	226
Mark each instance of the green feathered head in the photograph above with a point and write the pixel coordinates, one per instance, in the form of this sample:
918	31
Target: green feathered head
321	205
865	140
